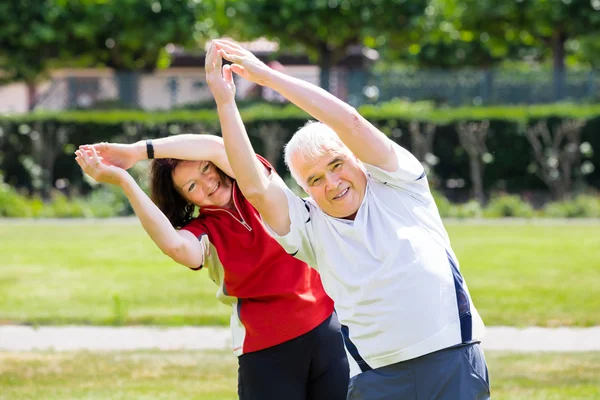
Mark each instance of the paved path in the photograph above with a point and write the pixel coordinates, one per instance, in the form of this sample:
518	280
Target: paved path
25	338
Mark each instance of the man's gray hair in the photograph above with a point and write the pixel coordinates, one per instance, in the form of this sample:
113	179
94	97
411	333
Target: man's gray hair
311	142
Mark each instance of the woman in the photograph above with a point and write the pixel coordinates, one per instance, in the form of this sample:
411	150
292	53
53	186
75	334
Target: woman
284	330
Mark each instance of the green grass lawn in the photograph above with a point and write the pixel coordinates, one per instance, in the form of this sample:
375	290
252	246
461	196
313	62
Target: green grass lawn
213	376
106	272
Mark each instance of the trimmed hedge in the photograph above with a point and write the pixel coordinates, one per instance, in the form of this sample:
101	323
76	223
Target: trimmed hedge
36	149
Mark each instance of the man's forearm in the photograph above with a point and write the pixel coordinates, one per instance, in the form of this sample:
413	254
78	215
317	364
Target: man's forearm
319	103
249	174
367	142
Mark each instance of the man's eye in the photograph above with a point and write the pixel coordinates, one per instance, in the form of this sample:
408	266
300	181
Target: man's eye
205	169
337	166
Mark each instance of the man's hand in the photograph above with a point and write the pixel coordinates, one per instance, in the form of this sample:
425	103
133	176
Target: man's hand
219	77
245	64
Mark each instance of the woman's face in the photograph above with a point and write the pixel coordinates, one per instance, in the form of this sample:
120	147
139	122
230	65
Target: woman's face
200	183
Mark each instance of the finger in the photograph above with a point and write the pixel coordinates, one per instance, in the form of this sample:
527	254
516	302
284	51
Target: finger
227	75
85	158
91	155
100	146
238	69
218	61
95	157
209	62
229	57
236	51
231	43
79	161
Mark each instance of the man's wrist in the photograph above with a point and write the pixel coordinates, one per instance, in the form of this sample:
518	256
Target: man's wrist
225	104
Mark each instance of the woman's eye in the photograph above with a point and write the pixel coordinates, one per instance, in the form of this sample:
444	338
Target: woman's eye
337	166
192	186
205	169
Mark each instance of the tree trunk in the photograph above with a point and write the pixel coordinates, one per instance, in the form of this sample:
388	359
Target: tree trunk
472	136
324	66
31	95
558	53
477	179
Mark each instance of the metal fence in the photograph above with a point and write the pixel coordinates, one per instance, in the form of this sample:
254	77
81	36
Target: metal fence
475	87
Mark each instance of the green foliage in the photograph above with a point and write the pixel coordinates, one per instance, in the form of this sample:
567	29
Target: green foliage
508	206
130	34
122	34
24	55
583	206
536	29
13	204
325	29
511	151
104	202
470	209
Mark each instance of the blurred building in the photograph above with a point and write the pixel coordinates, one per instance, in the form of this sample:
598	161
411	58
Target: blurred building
182	84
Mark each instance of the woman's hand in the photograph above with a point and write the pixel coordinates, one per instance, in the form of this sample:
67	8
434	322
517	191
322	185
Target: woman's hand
120	155
219	77
98	169
245	64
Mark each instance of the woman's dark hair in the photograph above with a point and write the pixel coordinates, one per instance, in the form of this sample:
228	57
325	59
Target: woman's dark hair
163	193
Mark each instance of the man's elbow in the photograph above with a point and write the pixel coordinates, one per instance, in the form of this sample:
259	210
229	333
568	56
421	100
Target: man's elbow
257	197
254	191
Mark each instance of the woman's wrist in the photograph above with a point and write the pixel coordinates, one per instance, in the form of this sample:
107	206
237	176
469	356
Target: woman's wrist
141	151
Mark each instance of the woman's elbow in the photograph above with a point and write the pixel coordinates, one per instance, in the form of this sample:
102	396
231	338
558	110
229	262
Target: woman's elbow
175	251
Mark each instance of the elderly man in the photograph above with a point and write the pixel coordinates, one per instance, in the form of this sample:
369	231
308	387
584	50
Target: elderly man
372	230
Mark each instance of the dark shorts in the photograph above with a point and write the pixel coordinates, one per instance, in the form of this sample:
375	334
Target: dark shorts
457	373
310	367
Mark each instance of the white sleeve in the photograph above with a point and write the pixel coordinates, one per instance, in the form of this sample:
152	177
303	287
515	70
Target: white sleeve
409	169
298	241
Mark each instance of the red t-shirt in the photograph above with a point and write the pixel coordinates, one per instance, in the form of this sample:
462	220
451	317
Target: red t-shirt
275	297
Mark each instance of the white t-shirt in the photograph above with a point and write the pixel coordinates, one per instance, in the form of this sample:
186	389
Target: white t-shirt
391	272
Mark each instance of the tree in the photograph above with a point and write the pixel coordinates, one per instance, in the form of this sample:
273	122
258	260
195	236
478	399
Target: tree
472	137
548	24
126	35
32	36
130	35
557	154
421	139
441	40
326	29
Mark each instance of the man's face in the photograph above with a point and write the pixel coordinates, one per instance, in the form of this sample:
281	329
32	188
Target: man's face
335	181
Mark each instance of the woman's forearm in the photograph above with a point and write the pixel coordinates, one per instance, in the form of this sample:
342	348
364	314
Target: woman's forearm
154	222
188	147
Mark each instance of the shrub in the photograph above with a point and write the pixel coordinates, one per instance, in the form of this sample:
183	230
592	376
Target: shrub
13	204
508	206
584	206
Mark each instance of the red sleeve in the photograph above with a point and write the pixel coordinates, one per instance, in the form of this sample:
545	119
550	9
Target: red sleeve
265	163
195	227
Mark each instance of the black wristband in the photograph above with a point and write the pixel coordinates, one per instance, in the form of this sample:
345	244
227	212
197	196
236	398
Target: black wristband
149	149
